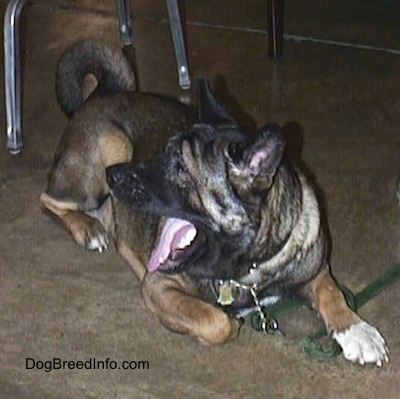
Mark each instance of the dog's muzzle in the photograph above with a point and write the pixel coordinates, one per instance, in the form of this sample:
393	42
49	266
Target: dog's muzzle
125	185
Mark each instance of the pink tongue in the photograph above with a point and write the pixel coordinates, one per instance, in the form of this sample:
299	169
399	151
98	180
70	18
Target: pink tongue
172	233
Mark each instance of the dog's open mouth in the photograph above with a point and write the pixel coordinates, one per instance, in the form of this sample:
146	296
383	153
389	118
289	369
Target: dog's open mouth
178	241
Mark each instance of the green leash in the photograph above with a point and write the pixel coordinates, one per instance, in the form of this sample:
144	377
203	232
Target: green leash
312	344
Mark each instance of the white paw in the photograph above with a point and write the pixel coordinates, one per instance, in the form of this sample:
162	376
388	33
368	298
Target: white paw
98	243
362	343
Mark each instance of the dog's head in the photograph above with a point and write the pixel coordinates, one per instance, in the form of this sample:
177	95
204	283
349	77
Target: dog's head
209	184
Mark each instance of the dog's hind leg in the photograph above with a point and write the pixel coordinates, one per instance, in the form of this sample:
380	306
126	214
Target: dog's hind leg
359	341
89	232
78	193
173	301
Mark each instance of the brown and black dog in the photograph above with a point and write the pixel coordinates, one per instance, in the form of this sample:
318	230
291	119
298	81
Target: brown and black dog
213	222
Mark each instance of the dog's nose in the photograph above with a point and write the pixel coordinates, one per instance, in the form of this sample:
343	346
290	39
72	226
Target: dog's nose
115	175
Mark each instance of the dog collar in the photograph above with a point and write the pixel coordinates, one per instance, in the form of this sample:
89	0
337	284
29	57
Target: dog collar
226	288
226	296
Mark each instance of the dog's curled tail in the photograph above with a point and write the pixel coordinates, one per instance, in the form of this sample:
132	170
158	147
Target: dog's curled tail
106	62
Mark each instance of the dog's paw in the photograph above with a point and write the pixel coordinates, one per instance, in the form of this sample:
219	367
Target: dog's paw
98	242
362	343
91	235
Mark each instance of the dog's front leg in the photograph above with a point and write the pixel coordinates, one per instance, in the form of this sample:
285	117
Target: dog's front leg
173	301
360	341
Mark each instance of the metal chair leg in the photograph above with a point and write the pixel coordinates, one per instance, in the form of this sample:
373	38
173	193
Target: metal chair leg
126	35
179	43
125	22
12	75
275	15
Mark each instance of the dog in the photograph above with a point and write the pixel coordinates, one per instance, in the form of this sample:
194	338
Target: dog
106	128
214	223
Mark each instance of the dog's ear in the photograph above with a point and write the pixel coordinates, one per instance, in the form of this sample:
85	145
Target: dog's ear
255	164
265	153
211	111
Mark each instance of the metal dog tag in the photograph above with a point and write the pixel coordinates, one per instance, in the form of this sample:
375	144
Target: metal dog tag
225	294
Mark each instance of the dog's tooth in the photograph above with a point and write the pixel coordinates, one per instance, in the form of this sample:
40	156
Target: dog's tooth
183	243
188	238
191	234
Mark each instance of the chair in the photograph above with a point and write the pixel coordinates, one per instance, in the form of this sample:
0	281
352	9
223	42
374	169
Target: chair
275	12
12	67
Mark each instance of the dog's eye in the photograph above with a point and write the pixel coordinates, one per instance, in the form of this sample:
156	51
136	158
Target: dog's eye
235	152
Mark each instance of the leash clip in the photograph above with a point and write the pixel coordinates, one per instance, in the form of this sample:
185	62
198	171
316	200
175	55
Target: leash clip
268	324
